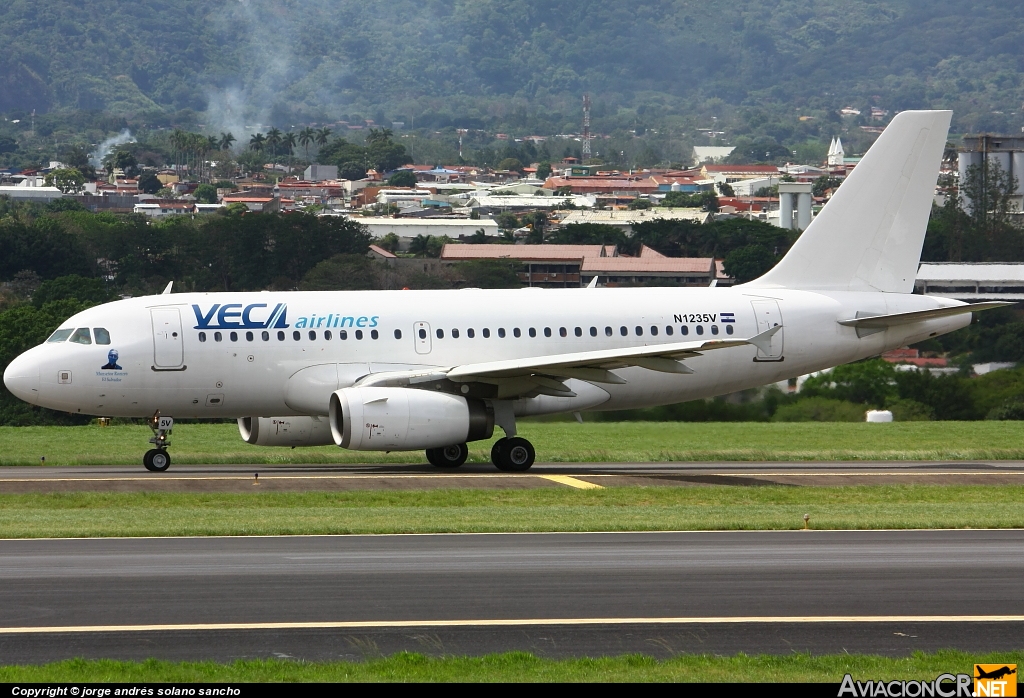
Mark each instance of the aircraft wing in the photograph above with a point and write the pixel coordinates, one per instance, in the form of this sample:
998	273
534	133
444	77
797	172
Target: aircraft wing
883	321
542	374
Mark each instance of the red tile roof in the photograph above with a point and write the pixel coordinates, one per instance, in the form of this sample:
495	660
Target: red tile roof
522	252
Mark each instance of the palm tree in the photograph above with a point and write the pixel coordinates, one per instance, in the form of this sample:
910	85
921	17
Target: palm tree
289	141
322	135
177	141
306	136
274	139
257	142
226	140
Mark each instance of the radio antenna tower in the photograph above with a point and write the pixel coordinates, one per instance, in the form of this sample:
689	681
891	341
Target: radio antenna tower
586	128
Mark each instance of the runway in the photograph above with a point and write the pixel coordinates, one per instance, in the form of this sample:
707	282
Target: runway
349	597
239	478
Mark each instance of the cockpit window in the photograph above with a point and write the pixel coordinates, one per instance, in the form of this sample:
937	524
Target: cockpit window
101	334
81	336
60	335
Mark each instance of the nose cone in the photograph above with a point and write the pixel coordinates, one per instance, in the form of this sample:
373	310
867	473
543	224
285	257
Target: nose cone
22	378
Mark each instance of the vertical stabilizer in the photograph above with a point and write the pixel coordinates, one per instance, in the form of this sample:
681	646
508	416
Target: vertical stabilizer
869	235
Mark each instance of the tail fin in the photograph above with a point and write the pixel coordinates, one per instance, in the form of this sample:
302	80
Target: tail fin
869	235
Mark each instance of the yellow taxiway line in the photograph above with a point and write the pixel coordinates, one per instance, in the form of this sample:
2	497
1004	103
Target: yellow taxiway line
467	623
571	482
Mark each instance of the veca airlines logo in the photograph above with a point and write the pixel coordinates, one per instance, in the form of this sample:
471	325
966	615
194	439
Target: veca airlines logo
237	315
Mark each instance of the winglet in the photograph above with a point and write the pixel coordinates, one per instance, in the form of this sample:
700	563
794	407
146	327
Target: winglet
167	288
593	282
763	341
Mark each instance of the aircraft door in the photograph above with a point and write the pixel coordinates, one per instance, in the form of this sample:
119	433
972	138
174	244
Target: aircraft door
168	351
421	335
768	316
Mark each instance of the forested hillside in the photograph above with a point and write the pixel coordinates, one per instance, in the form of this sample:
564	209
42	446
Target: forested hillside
481	62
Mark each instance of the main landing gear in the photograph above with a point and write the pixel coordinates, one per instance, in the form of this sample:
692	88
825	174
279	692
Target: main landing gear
158	459
511	454
448	456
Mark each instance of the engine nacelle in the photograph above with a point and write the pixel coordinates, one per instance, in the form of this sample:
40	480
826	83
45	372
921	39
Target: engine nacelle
406	419
285	431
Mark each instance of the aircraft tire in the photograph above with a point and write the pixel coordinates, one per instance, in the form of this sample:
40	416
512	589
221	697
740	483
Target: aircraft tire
496	452
448	456
515	454
157	460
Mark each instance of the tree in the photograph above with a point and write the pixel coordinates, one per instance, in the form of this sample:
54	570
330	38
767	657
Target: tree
206	193
351	170
749	262
511	165
544	170
489	273
274	140
706	201
639	204
289	141
322	136
389	242
725	189
507	220
306	136
149	184
226	141
402	178
68	180
823	184
122	160
343	272
80	288
257	142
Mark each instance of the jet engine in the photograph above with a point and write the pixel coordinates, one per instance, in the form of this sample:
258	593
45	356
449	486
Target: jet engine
406	419
285	431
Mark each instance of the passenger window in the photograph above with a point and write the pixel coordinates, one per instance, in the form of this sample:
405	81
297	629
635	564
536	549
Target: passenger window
714	329
101	335
470	333
501	332
684	330
654	331
455	334
217	336
60	335
440	334
265	336
700	329
608	331
202	336
639	331
233	336
623	331
516	332
249	337
728	329
593	331
296	335
373	334
487	333
359	334
81	336
327	335
312	336
579	331
280	335
398	334
342	334
533	332
547	331
423	333
668	330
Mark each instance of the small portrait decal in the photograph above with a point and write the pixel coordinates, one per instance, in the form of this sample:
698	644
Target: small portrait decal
111	361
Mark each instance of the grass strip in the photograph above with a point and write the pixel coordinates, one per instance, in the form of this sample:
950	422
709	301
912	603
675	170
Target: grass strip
521	666
99	514
555	441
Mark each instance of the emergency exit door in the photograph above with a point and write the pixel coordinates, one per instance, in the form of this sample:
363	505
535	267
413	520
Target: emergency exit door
168	351
768	316
421	335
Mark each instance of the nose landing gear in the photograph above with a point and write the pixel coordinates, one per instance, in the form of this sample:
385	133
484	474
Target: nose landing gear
158	459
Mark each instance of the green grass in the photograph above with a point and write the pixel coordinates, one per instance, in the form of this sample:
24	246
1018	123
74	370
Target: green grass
521	666
92	514
559	442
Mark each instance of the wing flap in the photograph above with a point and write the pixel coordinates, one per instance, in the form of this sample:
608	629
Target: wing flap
883	321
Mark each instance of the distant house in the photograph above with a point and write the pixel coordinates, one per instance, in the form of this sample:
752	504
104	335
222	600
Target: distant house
625	220
256	204
163	208
318	173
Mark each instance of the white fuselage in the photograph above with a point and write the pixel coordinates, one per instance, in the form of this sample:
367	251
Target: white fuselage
163	362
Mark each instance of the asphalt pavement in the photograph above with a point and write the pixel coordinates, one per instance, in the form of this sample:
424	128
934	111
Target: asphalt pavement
334	597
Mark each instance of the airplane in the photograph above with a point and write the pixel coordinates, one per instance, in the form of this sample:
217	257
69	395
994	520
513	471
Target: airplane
433	370
994	674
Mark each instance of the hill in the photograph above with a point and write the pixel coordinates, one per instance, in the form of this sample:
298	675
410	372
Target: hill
518	63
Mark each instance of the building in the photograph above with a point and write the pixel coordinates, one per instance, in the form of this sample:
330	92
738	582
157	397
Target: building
563	266
619	187
163	208
728	174
485	203
986	151
625	220
407	229
318	173
256	204
711	153
971	281
20	192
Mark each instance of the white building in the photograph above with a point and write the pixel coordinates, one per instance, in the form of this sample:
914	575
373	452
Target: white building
408	229
624	220
971	281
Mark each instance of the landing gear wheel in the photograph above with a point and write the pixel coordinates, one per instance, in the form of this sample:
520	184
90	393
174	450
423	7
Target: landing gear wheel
515	454
157	460
496	451
448	456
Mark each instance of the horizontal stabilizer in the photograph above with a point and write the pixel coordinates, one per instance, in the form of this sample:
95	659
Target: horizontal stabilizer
883	321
